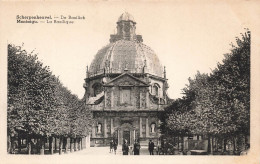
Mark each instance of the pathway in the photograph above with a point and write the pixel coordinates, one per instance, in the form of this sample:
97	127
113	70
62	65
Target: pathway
105	151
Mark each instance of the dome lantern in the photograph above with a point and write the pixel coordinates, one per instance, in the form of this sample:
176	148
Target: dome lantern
126	29
126	17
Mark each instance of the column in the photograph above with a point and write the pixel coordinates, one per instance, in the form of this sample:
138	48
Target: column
105	98
186	143
158	131
147	99
87	141
105	128
112	127
147	128
141	127
134	134
130	141
159	102
93	131
118	139
112	99
140	99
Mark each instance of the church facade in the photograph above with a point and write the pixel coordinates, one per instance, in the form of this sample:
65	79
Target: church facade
125	88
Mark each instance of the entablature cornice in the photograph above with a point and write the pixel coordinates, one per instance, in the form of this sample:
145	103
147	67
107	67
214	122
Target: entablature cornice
126	114
116	85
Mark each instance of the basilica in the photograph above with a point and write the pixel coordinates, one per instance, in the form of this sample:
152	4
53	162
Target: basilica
125	88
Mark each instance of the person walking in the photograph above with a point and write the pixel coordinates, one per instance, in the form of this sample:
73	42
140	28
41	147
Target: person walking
151	147
111	146
115	146
137	148
165	147
125	148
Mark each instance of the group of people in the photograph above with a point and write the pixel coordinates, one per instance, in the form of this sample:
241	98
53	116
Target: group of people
136	147
136	150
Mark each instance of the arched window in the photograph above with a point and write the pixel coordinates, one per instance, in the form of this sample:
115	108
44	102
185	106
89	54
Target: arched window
97	88
99	128
152	128
155	89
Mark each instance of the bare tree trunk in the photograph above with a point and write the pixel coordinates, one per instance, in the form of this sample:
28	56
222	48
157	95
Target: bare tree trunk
225	144
75	144
38	145
222	145
212	144
246	142
55	144
78	142
81	143
66	145
178	142
29	146
12	145
216	144
42	145
9	144
60	145
209	144
19	144
182	148
51	145
234	144
71	145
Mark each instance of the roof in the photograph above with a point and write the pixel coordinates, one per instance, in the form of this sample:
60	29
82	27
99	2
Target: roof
127	74
126	54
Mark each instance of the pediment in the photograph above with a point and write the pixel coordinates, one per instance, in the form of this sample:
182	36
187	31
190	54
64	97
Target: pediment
126	80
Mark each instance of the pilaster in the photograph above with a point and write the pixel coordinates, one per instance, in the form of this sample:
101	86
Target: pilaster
147	100
147	128
105	127
112	99
141	127
112	126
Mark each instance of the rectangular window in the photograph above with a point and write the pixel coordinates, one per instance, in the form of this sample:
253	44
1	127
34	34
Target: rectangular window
125	96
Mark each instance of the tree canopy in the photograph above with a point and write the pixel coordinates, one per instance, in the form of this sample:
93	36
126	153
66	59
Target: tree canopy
217	103
38	103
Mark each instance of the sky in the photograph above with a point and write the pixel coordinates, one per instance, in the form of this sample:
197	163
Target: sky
187	37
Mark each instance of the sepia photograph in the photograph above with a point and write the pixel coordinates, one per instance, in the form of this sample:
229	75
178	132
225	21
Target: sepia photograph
99	81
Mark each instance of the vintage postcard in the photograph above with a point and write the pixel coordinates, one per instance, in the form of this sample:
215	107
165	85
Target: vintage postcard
130	81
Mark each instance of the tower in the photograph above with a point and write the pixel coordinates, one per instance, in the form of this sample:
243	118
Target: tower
125	88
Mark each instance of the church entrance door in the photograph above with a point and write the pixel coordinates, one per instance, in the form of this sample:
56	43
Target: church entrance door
126	136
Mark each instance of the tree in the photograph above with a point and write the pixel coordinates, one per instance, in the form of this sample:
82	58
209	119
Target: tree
39	106
30	93
216	105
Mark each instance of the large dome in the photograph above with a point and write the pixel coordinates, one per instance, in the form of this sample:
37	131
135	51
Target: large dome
126	54
126	51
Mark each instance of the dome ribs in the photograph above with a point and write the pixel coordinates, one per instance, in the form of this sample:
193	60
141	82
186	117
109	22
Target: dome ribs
143	56
110	57
96	65
126	54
